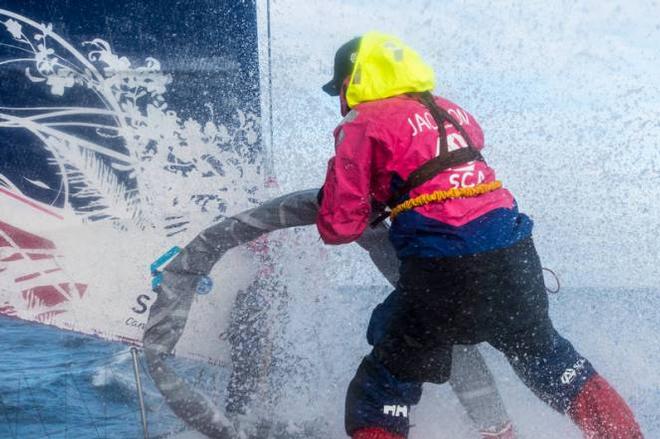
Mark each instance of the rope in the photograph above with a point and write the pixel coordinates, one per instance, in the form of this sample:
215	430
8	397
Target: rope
270	92
440	196
556	290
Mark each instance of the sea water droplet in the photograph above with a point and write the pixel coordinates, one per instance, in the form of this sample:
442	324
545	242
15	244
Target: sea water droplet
204	285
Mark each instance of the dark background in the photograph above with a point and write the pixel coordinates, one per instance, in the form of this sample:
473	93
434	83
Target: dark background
208	46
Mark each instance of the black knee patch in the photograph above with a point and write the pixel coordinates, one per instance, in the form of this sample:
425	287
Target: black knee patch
409	359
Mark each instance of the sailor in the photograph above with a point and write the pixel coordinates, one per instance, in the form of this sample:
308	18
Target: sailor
470	378
469	270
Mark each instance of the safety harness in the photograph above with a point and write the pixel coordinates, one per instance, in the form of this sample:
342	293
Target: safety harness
431	168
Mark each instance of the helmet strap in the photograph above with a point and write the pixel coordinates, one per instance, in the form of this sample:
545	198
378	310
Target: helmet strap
343	102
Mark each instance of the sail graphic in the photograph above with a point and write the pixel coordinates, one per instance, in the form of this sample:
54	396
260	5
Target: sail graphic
30	261
116	145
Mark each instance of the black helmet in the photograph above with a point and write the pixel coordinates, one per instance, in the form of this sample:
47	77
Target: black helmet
344	61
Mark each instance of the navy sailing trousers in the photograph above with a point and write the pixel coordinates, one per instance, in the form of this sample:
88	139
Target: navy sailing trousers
497	297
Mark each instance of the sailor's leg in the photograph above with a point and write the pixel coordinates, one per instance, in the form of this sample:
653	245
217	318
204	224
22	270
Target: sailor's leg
470	378
565	380
377	404
600	412
389	380
546	362
475	388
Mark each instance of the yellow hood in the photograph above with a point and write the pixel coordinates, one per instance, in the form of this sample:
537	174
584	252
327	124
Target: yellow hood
386	67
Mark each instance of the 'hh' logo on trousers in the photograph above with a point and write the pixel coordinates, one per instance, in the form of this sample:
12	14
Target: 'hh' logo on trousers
571	373
396	410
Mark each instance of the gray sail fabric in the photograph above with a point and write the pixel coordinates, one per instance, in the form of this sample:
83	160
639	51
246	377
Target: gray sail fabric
470	378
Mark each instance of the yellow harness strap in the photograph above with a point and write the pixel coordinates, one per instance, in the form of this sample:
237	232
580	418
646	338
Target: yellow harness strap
440	196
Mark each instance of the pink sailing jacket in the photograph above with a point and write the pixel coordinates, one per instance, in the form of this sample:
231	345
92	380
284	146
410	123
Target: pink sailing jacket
378	144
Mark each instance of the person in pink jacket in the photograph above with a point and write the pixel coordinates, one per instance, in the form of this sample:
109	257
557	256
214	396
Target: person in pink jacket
469	271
